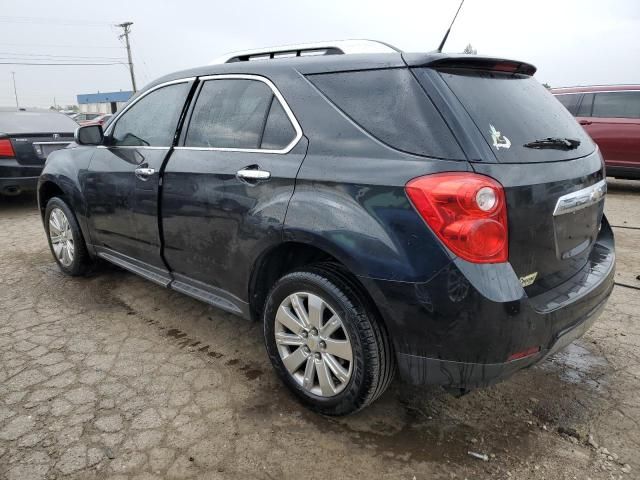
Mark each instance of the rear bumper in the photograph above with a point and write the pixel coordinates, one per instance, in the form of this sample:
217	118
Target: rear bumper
16	185
422	370
632	173
16	178
459	329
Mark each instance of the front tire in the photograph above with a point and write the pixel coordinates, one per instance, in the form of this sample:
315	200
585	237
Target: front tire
325	341
65	238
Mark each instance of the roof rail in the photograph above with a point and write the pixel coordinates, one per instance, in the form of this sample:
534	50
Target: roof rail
337	47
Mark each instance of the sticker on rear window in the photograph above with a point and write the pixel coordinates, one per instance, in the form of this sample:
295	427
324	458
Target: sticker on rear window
499	140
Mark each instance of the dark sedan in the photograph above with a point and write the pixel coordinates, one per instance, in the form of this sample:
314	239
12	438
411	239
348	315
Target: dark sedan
26	139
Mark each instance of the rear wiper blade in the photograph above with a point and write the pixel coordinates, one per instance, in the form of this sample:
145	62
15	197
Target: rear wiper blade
554	142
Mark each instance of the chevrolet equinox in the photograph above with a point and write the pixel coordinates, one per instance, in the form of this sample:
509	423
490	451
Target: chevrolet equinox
432	214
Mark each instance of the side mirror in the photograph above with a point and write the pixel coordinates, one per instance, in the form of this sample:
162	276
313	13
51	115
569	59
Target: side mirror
89	135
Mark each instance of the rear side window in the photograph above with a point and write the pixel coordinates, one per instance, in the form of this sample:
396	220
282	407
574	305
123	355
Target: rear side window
238	113
512	110
570	102
391	106
617	105
152	120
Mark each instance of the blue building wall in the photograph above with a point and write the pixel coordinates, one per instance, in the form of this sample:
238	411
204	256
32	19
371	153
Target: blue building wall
106	97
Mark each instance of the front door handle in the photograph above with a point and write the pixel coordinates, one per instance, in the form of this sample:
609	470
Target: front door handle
585	122
144	173
253	174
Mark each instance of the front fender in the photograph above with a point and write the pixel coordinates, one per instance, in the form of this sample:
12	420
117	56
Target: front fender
64	171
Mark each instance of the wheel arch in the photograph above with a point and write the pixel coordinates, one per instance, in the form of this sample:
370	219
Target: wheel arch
292	255
50	186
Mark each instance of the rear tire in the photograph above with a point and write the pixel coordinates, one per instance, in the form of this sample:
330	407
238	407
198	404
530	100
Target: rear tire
65	238
318	367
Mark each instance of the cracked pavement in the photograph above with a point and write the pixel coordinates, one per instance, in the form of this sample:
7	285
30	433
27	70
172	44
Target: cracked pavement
113	377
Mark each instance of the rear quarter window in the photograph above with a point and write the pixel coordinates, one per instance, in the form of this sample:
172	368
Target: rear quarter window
391	106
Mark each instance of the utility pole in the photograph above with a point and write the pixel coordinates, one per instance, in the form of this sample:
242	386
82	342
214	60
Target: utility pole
15	90
126	26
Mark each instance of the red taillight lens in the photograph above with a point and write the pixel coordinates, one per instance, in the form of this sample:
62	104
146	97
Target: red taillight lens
466	211
6	149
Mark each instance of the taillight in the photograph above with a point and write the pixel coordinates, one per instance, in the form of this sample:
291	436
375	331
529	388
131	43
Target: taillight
466	211
6	149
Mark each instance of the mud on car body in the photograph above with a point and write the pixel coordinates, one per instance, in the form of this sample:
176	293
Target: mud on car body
436	215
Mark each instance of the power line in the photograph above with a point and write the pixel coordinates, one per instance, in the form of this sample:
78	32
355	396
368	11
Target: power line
53	21
11	54
57	45
59	64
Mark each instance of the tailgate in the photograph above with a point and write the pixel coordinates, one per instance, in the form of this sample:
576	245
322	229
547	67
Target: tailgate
554	214
33	149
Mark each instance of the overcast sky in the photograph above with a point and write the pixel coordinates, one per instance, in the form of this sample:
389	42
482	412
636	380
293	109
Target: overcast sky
571	42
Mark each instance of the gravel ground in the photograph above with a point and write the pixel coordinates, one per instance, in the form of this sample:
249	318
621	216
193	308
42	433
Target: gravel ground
113	377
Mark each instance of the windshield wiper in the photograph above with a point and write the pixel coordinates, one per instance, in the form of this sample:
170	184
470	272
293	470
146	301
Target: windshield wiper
554	142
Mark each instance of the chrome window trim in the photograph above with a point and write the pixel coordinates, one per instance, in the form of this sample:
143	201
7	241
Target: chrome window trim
580	199
115	120
52	143
276	93
142	147
596	91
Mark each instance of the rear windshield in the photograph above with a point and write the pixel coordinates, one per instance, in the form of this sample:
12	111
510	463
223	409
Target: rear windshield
36	122
391	106
512	110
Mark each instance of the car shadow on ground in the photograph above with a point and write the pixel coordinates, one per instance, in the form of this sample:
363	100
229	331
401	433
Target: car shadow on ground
18	203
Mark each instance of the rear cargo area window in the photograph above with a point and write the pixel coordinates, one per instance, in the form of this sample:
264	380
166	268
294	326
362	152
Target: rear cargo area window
512	112
392	107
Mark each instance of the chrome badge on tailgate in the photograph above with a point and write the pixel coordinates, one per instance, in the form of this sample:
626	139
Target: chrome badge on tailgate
581	199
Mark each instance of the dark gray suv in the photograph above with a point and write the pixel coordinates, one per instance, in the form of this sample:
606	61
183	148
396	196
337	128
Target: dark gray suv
439	215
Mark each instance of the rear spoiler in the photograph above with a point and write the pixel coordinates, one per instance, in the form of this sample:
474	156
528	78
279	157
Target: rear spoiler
474	62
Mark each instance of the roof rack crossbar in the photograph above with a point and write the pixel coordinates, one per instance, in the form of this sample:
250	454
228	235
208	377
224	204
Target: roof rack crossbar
338	47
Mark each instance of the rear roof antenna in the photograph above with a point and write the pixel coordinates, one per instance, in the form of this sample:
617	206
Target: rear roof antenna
446	35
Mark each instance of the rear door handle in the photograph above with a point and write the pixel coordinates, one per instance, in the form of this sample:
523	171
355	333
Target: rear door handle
144	173
585	122
253	174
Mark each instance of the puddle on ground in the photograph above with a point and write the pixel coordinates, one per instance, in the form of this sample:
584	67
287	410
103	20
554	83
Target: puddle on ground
579	366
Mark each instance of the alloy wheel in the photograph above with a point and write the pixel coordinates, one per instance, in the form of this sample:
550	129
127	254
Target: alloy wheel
61	237
313	344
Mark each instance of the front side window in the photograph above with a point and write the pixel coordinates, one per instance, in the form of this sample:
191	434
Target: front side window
617	105
152	120
238	113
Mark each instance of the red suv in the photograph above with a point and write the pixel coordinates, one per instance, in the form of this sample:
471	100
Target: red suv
611	115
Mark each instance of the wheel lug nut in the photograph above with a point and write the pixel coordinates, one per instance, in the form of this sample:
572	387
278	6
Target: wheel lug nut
304	334
314	331
305	349
323	345
317	355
